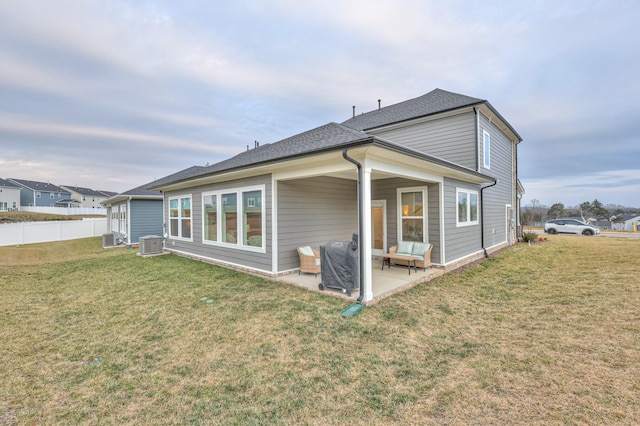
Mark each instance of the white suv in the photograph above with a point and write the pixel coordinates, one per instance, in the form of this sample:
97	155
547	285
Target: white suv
570	226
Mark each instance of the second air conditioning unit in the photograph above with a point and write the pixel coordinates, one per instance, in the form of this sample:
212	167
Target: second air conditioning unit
108	240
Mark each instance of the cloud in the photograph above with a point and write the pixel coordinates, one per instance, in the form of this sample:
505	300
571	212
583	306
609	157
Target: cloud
196	82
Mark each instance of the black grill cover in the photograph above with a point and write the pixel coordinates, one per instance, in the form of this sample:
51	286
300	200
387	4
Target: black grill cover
339	264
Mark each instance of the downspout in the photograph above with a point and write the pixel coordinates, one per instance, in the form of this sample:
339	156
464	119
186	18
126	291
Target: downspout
482	217
518	200
360	221
475	110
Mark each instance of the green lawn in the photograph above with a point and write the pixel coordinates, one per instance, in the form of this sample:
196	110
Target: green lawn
540	334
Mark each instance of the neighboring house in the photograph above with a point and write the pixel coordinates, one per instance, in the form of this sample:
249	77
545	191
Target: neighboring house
42	194
86	197
440	168
628	224
138	212
9	196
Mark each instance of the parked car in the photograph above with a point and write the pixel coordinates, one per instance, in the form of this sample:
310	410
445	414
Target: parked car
570	226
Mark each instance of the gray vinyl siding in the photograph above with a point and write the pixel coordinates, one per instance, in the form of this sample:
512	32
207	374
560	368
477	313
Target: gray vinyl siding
237	256
460	241
386	189
146	219
497	197
312	212
450	138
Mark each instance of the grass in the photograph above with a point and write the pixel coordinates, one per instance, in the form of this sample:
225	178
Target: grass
540	334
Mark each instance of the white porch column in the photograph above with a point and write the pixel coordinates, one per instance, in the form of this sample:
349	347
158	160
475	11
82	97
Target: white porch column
365	240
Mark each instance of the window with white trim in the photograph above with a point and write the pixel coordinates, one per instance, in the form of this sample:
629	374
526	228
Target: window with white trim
180	217
412	211
486	149
234	217
467	207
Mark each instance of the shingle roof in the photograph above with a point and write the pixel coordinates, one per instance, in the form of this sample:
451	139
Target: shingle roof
434	102
82	191
39	186
145	191
7	183
107	194
327	136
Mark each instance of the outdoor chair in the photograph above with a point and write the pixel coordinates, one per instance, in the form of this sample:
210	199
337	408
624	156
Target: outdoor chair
309	260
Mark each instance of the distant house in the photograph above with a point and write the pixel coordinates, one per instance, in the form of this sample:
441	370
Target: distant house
628	224
86	197
438	169
42	194
9	196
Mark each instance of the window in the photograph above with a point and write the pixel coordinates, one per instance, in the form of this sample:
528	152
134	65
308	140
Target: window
467	207
412	214
3	206
123	219
230	218
210	220
234	217
252	218
180	217
486	149
52	196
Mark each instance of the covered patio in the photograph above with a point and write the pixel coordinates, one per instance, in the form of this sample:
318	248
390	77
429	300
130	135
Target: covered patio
385	282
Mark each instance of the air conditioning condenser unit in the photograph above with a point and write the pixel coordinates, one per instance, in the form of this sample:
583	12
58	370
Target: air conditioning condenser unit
108	240
150	245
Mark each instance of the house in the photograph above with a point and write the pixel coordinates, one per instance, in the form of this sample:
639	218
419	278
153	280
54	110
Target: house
138	212
440	169
42	194
9	196
86	197
632	224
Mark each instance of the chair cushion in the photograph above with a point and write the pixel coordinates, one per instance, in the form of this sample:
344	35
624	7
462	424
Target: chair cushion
405	247
306	250
419	249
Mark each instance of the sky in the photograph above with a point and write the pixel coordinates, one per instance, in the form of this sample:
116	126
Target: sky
111	95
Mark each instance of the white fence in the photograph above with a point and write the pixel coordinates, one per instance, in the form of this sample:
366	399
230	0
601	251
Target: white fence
64	210
42	232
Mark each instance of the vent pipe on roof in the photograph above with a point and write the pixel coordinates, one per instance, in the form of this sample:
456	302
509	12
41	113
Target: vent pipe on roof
354	110
379	103
257	144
